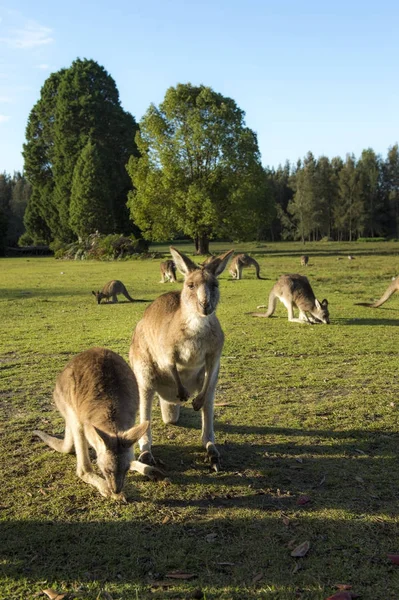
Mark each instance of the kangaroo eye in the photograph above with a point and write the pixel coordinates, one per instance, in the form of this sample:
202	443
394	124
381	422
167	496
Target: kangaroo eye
191	285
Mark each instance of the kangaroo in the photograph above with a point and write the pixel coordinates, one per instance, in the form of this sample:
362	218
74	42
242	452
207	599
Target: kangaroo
168	271
112	288
239	262
295	290
304	260
392	288
175	351
97	395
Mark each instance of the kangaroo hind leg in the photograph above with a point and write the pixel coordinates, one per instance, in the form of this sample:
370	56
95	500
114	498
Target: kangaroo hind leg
60	445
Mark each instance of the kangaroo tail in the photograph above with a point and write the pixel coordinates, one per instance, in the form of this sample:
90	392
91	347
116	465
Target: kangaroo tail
257	270
127	295
271	307
392	288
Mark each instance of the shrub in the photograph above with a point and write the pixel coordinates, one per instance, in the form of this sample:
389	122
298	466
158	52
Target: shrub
371	239
101	247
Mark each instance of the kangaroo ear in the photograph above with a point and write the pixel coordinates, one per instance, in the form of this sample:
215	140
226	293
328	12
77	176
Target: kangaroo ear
218	264
182	262
324	303
94	293
317	304
132	435
108	440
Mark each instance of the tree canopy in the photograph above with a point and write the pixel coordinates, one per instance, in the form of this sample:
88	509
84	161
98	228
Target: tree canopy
199	171
77	105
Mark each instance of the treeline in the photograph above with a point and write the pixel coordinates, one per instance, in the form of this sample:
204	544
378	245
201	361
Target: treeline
190	168
15	192
337	199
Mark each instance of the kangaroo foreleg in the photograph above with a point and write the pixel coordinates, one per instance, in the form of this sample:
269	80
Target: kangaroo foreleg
151	472
182	393
60	445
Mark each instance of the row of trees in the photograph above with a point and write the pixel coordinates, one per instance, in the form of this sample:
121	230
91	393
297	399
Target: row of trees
337	199
190	168
15	192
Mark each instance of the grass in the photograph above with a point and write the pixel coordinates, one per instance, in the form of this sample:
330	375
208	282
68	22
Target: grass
304	410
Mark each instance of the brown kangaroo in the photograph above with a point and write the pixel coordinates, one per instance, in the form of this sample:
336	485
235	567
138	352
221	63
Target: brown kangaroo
168	271
111	289
392	288
97	395
239	262
295	291
175	350
304	260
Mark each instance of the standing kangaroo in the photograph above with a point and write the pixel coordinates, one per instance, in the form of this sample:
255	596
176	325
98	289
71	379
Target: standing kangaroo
168	271
392	288
176	348
112	288
304	260
295	291
97	395
239	262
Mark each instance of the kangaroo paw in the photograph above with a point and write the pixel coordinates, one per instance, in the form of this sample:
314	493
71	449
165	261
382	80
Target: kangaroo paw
147	458
198	402
183	394
119	497
213	457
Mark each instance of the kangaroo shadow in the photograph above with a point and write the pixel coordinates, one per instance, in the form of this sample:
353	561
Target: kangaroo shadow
124	302
360	321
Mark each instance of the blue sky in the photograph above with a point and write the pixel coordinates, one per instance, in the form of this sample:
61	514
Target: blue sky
309	75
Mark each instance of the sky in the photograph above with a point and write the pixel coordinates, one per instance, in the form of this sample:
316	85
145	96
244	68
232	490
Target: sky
310	75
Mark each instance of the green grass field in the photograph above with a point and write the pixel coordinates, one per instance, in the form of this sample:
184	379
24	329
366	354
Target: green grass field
303	411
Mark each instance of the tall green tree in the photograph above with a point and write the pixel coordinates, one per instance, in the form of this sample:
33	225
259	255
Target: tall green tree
370	181
303	207
199	172
391	182
349	208
77	104
90	208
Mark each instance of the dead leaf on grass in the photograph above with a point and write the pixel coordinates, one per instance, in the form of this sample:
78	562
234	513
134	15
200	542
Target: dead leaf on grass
303	500
53	595
286	521
257	577
359	479
225	564
180	575
165	520
394	558
340	596
211	537
224	404
343	586
301	550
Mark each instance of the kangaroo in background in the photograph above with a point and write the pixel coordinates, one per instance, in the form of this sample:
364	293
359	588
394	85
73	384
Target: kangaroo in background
239	262
97	395
175	350
304	260
295	291
111	289
168	271
392	288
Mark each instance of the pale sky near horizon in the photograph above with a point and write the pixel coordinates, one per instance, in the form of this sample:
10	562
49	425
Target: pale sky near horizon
309	75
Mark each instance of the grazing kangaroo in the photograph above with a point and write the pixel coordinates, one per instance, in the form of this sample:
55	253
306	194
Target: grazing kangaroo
112	288
97	395
168	271
392	288
295	291
304	260
239	262
175	350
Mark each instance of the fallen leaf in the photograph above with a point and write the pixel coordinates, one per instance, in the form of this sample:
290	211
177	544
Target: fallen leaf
359	479
394	558
53	595
257	577
165	520
296	568
300	460
340	596
226	564
323	480
211	537
180	575
359	451
286	521
223	404
301	550
303	500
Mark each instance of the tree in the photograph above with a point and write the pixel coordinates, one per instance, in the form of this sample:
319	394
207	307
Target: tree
199	172
370	172
303	207
391	180
90	208
76	105
348	211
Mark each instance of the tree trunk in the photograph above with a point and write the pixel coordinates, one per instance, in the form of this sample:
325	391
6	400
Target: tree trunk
202	244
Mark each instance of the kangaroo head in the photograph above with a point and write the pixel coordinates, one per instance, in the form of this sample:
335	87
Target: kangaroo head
200	292
116	454
99	296
321	313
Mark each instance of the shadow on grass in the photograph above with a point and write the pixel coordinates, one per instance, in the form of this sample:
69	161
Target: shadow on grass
360	321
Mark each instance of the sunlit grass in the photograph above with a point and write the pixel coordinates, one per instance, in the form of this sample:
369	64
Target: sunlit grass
304	410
